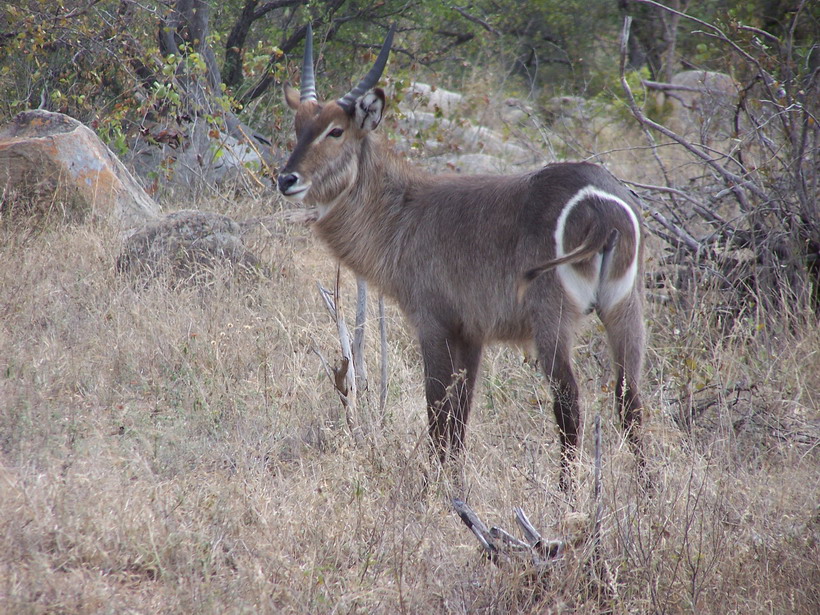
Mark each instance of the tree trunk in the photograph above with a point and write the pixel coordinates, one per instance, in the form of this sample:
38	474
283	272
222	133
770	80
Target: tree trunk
235	45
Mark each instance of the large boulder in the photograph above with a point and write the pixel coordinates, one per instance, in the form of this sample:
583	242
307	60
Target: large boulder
49	161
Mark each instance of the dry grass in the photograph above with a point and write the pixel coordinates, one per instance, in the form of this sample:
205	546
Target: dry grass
180	450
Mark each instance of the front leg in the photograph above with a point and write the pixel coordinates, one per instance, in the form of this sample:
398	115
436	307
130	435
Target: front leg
450	370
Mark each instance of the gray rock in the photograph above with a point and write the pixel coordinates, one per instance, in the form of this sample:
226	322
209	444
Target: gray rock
440	136
566	108
423	97
187	245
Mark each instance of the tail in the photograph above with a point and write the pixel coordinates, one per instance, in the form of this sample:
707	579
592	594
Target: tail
591	246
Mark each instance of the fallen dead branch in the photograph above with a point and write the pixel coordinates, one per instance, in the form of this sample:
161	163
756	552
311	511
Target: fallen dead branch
577	549
501	547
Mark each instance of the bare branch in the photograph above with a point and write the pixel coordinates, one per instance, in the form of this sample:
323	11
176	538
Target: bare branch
508	539
597	491
736	182
503	548
267	7
383	344
345	380
358	334
463	12
533	536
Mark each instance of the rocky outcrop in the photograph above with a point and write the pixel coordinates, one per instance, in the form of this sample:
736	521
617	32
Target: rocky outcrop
50	162
432	129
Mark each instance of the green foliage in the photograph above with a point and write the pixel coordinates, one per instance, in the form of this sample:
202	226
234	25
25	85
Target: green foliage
99	61
82	65
611	92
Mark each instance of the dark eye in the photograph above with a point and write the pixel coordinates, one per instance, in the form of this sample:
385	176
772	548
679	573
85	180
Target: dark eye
336	133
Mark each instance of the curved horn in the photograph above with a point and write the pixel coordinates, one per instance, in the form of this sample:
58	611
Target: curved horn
308	89
371	78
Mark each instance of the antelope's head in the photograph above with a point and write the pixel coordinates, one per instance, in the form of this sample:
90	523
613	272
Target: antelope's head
325	161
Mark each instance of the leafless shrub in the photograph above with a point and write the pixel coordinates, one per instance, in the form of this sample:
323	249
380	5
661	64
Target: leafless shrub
749	218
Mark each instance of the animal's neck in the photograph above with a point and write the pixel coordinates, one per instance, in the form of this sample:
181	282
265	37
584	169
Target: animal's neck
363	227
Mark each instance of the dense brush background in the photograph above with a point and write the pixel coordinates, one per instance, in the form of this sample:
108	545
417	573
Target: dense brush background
177	447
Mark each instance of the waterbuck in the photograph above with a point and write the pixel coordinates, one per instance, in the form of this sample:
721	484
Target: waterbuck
472	259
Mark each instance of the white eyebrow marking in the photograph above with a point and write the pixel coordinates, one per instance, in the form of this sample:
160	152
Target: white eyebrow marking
326	131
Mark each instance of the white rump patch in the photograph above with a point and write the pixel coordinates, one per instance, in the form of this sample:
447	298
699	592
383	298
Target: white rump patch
583	291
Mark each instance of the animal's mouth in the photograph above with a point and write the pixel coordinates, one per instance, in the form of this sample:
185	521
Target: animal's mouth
296	193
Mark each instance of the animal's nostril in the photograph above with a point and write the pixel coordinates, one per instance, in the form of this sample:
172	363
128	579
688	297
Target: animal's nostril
287	181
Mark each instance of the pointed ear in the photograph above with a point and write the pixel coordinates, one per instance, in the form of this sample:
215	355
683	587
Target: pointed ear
369	109
291	96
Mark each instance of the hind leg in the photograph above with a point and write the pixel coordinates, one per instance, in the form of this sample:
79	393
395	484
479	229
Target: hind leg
554	345
627	337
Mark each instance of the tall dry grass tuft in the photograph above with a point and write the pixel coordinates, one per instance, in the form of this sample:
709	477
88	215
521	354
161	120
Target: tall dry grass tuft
172	448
